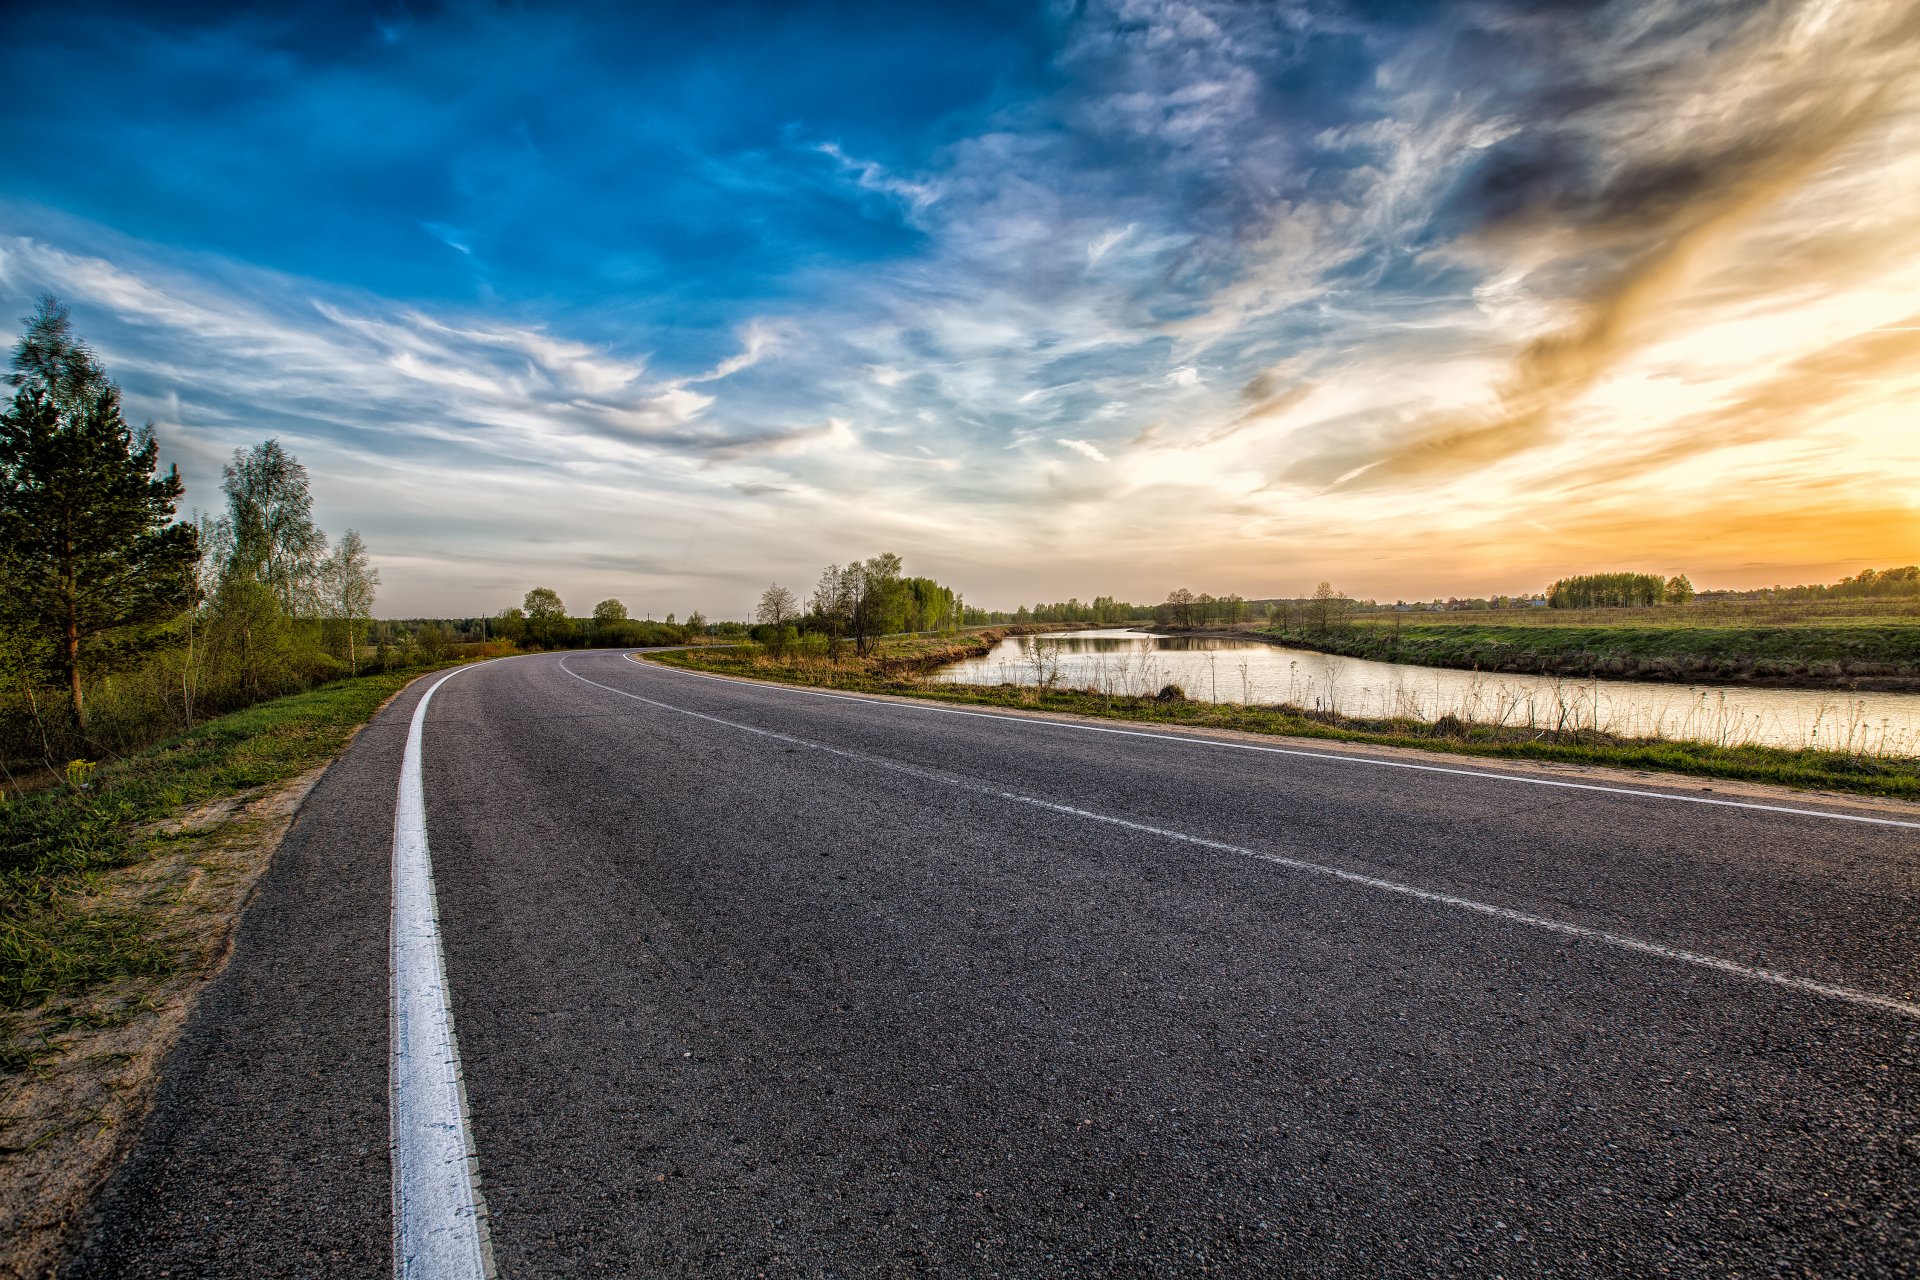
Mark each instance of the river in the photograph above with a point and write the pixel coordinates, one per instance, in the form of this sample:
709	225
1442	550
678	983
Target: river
1229	669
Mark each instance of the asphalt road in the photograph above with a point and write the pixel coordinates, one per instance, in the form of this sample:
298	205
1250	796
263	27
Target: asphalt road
752	981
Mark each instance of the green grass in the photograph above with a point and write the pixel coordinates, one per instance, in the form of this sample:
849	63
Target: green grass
1825	770
1826	652
58	845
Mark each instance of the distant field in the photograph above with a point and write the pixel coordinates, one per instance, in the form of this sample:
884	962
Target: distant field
1829	644
1707	612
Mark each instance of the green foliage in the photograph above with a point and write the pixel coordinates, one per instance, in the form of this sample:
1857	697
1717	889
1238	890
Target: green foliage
52	360
91	562
348	583
1870	583
543	605
55	940
547	624
1183	608
150	625
1609	591
273	538
1102	611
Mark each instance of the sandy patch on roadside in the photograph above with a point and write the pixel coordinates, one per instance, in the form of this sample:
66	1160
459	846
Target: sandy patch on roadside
66	1124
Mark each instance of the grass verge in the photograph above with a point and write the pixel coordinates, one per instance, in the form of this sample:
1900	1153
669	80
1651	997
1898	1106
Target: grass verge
891	672
62	931
119	893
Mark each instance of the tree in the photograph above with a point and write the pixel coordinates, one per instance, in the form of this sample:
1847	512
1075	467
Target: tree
607	612
350	583
879	600
49	357
91	559
1679	589
1328	608
777	606
547	621
275	541
511	625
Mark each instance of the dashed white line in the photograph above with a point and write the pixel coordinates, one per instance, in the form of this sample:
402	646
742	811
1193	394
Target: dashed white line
439	1220
1228	745
1620	941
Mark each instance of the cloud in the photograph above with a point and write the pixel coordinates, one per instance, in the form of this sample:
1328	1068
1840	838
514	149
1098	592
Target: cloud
1330	270
758	340
1880	364
1100	245
832	435
873	176
1642	230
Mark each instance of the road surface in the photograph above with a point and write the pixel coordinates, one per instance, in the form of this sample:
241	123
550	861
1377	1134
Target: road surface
750	980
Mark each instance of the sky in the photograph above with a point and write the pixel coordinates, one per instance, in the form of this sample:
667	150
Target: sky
667	302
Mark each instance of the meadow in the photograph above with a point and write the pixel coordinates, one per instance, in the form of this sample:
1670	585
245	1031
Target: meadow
1836	644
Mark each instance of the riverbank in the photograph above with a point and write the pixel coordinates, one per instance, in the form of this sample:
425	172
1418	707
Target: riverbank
900	656
1877	654
906	673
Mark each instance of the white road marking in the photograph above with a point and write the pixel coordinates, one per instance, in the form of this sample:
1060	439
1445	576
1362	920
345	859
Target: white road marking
1621	941
1225	744
439	1219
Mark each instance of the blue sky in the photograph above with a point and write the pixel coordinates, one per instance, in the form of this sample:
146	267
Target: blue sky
664	303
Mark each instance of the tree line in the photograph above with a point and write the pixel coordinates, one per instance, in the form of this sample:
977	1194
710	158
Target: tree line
855	604
1182	608
120	621
1101	611
542	622
1868	584
1618	591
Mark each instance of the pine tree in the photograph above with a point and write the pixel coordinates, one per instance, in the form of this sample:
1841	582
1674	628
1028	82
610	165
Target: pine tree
91	559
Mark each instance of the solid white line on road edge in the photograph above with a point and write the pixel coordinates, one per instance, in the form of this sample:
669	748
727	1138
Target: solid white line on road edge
1622	941
439	1219
1196	741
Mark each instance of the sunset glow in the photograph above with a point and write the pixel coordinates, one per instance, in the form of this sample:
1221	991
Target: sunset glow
1051	302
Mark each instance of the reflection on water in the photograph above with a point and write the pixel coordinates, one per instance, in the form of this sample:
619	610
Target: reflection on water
1227	669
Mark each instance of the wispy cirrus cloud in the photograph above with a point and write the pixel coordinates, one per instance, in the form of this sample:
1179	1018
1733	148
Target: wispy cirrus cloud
1289	275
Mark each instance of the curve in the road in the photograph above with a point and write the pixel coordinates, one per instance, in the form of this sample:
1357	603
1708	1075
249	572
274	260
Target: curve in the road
439	1219
1371	761
1624	942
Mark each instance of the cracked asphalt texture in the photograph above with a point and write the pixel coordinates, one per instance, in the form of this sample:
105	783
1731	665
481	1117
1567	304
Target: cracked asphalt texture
733	1005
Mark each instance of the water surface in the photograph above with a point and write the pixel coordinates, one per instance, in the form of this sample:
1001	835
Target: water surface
1230	669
